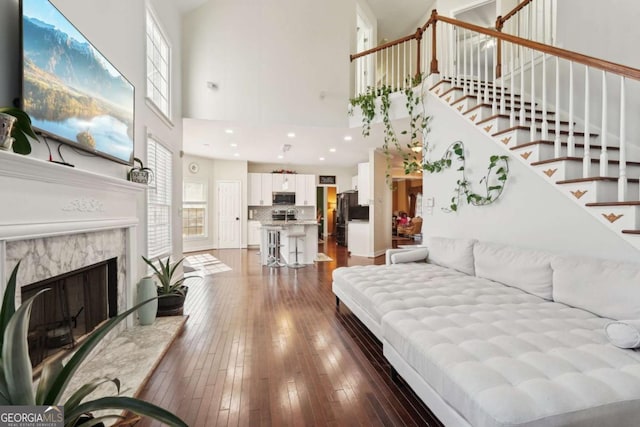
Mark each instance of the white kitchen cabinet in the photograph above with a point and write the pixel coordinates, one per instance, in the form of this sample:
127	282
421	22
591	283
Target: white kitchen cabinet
253	233
260	189
364	184
283	182
305	190
359	239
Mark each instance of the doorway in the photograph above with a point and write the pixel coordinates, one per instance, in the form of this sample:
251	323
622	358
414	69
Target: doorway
326	201
229	214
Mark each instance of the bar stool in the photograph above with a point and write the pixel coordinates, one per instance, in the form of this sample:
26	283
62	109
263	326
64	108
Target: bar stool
273	245
297	236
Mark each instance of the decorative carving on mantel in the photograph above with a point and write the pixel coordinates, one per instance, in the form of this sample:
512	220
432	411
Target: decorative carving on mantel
84	205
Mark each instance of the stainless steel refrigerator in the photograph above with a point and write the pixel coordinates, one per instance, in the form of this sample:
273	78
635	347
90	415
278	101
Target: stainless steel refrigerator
346	200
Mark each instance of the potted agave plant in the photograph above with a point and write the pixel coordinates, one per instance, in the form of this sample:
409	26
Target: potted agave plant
173	292
16	381
140	173
19	130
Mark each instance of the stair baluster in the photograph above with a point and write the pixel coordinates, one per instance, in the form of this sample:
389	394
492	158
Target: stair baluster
464	44
586	160
556	142
486	75
478	90
523	112
571	141
622	181
532	128
545	123
512	115
604	156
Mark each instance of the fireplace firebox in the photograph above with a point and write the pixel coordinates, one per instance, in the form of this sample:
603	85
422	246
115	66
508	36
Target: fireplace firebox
74	304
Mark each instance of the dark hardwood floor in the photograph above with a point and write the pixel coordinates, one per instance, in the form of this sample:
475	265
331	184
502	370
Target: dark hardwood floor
267	348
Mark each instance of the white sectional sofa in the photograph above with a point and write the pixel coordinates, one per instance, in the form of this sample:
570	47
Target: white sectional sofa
492	335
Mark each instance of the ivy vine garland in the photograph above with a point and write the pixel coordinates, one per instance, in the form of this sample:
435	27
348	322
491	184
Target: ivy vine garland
418	127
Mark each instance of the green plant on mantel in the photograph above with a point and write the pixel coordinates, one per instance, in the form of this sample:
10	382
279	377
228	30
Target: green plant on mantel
493	188
16	381
22	129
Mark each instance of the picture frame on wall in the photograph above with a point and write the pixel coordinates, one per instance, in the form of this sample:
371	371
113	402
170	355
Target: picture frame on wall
327	179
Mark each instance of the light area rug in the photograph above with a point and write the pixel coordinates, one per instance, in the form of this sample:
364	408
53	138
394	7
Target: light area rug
204	264
131	356
322	257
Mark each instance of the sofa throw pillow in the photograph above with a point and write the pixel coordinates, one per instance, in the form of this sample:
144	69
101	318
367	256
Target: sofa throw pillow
524	269
624	334
451	253
607	288
412	255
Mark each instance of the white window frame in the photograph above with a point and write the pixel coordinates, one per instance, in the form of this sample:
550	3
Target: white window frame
160	160
204	203
153	27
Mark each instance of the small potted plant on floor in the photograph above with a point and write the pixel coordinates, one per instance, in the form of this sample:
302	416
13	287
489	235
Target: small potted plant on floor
173	292
16	381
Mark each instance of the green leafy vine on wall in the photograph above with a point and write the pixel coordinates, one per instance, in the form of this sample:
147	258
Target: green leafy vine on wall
415	160
493	187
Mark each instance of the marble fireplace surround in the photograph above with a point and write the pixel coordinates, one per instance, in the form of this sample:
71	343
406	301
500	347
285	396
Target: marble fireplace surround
57	219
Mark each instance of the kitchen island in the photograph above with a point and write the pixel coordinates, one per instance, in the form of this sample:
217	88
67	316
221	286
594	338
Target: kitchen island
307	251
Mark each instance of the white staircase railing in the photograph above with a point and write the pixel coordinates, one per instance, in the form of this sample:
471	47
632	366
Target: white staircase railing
577	102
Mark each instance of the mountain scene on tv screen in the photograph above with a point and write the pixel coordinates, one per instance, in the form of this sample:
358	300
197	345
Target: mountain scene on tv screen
71	92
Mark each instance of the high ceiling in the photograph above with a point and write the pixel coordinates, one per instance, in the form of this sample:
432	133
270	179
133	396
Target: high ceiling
311	145
399	18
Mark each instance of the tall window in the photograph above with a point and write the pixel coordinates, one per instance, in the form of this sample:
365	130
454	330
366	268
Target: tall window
159	200
158	62
194	210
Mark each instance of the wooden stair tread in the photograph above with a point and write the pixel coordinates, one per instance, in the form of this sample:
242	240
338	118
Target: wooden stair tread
528	110
475	94
546	142
604	204
475	97
595	178
631	231
505	116
551	131
578	159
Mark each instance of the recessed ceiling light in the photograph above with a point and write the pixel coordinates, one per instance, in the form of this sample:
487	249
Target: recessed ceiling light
228	131
205	144
233	144
280	156
236	154
332	150
291	135
321	158
348	138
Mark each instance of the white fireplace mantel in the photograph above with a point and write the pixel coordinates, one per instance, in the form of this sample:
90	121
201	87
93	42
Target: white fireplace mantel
39	199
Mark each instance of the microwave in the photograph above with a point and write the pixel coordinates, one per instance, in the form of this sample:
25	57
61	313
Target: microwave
282	198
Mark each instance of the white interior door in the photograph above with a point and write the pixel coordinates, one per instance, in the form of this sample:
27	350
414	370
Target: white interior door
229	212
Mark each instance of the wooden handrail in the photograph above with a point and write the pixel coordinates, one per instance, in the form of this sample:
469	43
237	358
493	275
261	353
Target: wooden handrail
601	64
500	20
508	16
417	35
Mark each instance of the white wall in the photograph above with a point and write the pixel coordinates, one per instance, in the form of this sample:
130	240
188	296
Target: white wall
530	213
381	206
272	61
211	171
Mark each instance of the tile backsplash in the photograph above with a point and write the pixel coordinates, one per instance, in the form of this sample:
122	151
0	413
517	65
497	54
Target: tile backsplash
263	213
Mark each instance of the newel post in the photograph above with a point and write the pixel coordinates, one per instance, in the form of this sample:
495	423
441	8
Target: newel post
499	25
418	38
434	53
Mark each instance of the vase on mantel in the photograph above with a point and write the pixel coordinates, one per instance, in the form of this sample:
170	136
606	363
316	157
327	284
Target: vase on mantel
146	290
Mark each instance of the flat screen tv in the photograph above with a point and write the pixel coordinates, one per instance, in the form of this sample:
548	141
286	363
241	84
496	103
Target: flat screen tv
71	91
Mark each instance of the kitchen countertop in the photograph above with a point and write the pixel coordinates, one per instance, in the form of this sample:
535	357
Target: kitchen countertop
286	223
